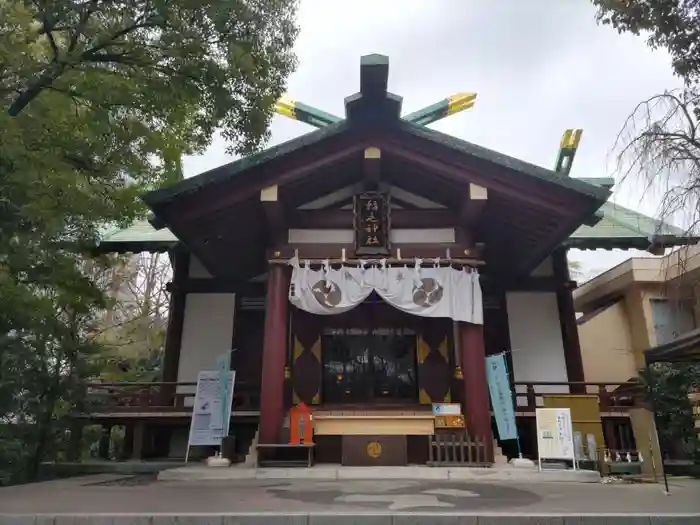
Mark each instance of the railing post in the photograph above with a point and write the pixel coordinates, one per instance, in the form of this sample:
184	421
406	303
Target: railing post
603	398
531	397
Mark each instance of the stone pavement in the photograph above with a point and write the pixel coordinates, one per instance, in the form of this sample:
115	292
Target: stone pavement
105	499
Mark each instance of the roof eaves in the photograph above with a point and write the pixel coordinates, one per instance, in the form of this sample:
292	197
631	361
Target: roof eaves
597	192
240	166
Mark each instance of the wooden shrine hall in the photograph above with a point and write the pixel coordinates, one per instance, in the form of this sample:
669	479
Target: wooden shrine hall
366	269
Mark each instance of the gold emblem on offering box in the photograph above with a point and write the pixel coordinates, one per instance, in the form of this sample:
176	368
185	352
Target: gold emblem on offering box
449	421
372	224
374	449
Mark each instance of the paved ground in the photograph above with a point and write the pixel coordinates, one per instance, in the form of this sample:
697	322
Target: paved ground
111	494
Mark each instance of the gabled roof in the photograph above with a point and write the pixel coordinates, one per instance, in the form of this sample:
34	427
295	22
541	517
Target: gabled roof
244	166
550	204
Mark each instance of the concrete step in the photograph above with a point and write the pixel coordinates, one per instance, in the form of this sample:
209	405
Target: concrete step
334	472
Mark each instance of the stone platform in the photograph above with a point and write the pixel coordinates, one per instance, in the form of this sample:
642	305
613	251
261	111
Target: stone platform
333	472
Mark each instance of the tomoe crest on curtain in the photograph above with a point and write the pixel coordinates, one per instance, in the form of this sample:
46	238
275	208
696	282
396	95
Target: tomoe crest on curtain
429	292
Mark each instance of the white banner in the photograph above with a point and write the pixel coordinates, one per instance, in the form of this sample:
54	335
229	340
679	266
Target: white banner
426	292
555	436
210	421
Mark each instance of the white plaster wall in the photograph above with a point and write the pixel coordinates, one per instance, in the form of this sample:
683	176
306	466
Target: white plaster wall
206	333
397	236
536	342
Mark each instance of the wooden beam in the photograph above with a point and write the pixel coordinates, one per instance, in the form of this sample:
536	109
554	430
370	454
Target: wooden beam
215	198
339	219
453	169
525	284
372	168
215	285
407	251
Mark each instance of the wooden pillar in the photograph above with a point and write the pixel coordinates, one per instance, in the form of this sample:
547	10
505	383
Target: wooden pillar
567	320
176	319
476	401
274	355
105	442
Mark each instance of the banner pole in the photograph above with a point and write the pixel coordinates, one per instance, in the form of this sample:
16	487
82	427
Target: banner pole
514	400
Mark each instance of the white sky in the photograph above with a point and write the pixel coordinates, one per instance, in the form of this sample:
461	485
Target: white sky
539	67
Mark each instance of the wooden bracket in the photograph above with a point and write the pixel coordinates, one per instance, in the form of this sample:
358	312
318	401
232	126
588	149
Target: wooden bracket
473	206
372	168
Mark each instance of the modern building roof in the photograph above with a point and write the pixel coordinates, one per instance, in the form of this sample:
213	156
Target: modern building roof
679	266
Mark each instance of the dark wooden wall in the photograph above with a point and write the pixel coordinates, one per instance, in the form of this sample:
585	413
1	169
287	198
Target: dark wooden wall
248	341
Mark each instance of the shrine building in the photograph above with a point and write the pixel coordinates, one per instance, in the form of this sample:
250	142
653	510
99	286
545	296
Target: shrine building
367	268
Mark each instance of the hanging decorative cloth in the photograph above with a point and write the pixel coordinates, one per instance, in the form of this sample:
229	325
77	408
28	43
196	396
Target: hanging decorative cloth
426	292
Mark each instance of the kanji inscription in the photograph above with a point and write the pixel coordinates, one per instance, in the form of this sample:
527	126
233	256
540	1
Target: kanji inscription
372	224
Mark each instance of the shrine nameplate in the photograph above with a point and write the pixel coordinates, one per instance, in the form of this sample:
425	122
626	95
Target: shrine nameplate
372	224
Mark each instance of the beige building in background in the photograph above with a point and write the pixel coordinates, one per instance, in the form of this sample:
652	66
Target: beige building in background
641	303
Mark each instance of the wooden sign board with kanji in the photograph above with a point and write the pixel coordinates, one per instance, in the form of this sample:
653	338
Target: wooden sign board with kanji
372	224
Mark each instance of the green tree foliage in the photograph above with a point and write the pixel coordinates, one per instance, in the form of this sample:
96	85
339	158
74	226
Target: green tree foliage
100	100
132	329
668	385
673	25
660	140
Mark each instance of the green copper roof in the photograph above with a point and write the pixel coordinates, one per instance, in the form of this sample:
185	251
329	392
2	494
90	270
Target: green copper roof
139	237
623	228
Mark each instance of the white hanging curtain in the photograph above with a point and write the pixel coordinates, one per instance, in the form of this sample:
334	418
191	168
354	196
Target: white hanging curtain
427	292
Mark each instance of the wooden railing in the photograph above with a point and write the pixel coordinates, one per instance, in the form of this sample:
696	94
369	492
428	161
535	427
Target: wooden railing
528	396
179	397
458	449
116	397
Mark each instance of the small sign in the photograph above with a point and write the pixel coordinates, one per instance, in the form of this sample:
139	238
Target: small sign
447	409
453	421
372	224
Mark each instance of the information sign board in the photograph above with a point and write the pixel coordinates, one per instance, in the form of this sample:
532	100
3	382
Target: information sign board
210	417
555	436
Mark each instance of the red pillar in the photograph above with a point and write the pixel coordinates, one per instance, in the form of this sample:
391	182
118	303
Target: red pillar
274	355
476	401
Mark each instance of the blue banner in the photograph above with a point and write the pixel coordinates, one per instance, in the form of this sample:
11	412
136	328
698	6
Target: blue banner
501	396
